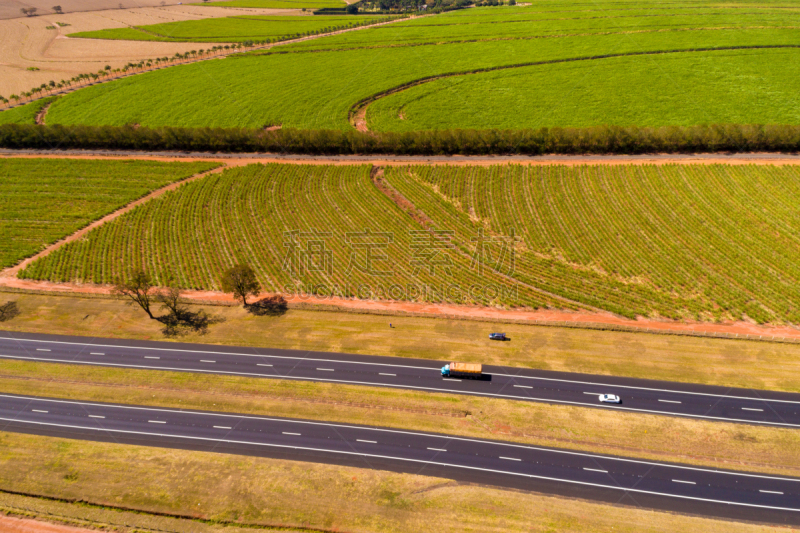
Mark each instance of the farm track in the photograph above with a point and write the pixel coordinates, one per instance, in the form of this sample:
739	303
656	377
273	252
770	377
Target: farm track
358	111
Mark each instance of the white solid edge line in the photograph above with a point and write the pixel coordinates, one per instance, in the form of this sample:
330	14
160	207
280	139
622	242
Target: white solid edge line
218	353
404	366
596	470
367	441
547	478
771	492
616	487
669	401
682	481
450	391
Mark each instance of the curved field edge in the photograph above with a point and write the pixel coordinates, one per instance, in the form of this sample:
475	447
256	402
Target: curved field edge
696	259
331	81
241	28
43	201
496	106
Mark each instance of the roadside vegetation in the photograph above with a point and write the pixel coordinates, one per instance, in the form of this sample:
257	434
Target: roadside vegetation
250	494
44	200
315	85
731	363
238	29
709	242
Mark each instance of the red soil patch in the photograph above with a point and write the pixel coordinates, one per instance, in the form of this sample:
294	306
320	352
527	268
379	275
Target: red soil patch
10	524
540	316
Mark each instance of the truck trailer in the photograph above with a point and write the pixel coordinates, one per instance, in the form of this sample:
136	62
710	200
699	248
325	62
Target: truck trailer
462	370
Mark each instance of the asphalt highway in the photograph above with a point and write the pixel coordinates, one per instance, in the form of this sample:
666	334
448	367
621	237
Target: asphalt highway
615	479
638	395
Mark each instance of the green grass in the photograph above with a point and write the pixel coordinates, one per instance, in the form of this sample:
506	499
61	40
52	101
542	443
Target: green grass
232	29
277	4
25	114
690	88
316	84
44	200
701	242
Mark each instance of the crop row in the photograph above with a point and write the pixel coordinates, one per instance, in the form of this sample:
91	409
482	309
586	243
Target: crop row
44	200
699	241
348	239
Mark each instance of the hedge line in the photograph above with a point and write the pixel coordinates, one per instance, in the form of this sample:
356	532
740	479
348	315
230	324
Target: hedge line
594	140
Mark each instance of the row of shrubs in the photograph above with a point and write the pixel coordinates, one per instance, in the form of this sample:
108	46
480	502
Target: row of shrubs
594	140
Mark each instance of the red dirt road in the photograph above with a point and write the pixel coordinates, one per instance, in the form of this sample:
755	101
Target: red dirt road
10	524
546	316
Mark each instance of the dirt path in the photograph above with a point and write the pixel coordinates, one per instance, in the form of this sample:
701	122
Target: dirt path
41	114
392	160
550	317
11	272
9	524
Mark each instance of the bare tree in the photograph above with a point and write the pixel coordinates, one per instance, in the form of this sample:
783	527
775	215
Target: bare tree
139	290
241	281
171	299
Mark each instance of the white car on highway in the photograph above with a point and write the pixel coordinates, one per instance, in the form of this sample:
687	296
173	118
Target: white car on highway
609	398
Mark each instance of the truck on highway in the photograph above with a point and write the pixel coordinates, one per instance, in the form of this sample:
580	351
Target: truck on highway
462	370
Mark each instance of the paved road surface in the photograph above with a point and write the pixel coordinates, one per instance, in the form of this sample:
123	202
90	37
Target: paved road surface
676	399
615	479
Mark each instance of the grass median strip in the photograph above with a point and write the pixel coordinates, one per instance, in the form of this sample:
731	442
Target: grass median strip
121	487
660	438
